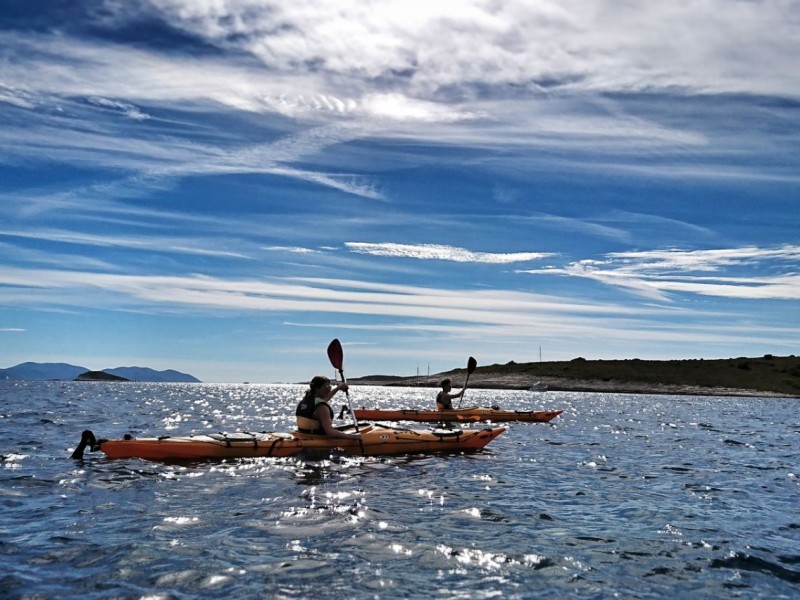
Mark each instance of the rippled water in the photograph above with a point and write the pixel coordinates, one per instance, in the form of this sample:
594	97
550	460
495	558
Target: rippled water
621	496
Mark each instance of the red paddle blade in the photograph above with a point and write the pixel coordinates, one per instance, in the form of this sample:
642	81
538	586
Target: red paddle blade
335	354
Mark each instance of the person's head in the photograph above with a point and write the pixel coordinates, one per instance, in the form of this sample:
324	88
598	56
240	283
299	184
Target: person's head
446	384
319	384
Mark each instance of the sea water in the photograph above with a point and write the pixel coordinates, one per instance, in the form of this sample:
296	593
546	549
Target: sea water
622	496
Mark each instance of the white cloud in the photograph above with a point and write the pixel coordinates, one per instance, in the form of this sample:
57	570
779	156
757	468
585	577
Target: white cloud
573	225
430	46
298	295
488	314
291	249
403	108
16	97
440	252
703	260
129	110
655	273
493	74
169	244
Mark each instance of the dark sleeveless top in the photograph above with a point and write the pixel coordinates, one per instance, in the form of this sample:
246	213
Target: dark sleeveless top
307	422
448	404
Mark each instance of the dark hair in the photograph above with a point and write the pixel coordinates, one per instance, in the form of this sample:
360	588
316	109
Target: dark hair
319	381
316	383
445	382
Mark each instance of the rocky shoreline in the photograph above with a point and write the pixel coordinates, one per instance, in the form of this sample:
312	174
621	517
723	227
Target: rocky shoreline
765	376
557	384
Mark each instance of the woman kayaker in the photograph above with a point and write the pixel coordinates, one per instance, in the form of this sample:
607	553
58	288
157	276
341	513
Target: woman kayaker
444	399
314	414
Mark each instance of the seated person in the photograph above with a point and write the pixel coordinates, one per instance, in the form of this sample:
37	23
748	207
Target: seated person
314	414
444	399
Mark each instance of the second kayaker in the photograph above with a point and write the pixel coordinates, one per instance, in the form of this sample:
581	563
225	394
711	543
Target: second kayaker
314	414
444	399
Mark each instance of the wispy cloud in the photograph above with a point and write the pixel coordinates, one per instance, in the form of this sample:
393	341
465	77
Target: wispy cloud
440	252
149	242
472	75
16	97
656	273
129	110
303	295
585	226
491	314
291	249
154	161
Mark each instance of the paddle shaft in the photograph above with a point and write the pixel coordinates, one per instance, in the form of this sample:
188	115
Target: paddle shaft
336	356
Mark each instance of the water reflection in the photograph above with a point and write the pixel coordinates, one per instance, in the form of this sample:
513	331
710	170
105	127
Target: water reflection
633	496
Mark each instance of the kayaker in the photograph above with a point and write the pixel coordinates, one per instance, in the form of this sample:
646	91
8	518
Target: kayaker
314	414
444	399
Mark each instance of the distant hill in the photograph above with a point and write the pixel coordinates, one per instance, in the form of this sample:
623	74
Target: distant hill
42	371
32	371
146	374
767	375
99	376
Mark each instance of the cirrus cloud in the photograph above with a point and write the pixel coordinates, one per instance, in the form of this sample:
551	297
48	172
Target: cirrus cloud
441	252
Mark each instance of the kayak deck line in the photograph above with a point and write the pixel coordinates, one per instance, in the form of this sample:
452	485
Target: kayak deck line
375	440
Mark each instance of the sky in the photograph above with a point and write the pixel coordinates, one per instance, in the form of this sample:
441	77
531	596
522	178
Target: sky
222	187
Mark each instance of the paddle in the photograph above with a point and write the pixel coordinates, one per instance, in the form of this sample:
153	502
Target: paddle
336	356
471	365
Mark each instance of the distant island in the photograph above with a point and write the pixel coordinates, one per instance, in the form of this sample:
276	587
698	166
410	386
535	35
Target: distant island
32	371
99	376
764	376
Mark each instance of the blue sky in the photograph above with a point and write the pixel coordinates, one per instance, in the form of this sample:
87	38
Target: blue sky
224	187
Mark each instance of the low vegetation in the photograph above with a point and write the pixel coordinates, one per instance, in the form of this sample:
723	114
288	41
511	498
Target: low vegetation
767	375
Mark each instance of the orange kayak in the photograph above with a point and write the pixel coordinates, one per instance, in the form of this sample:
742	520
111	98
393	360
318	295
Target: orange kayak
376	440
473	413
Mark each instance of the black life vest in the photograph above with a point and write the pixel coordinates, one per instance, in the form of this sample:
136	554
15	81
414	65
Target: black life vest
306	421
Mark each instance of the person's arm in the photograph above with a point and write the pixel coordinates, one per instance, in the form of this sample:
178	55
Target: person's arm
445	401
323	415
343	387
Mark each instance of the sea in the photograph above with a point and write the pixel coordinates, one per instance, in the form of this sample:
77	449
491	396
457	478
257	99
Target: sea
621	496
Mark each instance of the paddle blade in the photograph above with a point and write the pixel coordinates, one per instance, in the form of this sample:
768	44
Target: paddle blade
472	364
335	354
